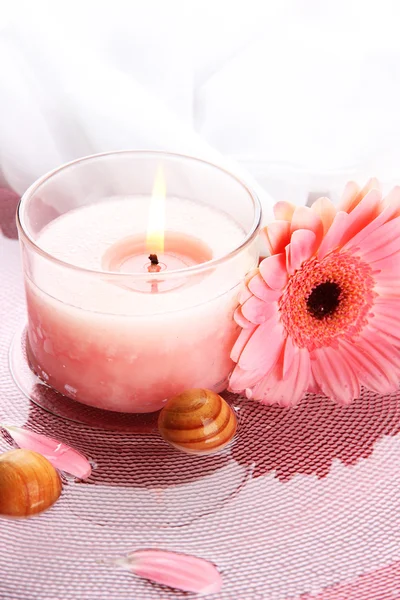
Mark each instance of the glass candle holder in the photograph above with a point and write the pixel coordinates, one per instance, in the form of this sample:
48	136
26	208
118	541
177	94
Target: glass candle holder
114	322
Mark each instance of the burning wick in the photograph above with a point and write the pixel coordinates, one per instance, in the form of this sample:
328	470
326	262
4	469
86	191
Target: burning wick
154	266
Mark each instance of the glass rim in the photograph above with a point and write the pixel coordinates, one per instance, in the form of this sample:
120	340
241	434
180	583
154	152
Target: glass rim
186	271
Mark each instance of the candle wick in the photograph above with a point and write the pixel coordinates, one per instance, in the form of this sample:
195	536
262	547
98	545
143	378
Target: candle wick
154	266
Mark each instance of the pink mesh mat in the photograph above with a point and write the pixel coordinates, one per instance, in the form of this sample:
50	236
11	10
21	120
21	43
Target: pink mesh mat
304	505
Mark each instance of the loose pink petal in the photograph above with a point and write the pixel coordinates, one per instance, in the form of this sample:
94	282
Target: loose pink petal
60	455
176	570
273	271
326	211
284	211
259	288
301	248
277	236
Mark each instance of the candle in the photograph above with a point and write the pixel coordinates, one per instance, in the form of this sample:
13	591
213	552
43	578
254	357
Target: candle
121	320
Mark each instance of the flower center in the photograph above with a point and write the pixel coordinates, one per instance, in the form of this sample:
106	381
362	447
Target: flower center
324	299
327	299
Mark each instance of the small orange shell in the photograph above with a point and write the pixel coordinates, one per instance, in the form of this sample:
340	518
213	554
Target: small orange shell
197	421
29	483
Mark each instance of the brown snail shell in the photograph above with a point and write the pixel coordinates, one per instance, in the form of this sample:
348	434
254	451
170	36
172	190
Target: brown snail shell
29	484
197	421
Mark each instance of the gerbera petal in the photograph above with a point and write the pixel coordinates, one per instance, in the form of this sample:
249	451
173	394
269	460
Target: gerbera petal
386	320
290	352
352	195
260	289
349	197
241	342
375	374
244	294
273	271
305	218
286	392
284	210
241	320
392	199
241	379
381	351
264	347
334	235
276	236
334	375
363	214
326	211
302	246
381	243
258	311
388	213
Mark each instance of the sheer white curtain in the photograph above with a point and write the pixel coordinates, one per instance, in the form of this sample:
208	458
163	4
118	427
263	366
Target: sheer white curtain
245	83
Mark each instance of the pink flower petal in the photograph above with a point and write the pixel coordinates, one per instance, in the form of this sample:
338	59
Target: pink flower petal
363	214
326	211
241	342
382	242
302	247
178	571
288	356
244	294
373	371
352	194
286	392
386	319
392	199
259	288
334	235
273	271
241	379
305	218
60	455
277	236
334	375
284	211
258	311
350	197
241	320
388	213
264	347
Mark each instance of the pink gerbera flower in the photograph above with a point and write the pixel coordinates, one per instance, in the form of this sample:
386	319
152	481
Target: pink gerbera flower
322	312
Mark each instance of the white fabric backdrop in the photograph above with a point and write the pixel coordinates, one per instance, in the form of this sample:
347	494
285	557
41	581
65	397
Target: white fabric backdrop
310	83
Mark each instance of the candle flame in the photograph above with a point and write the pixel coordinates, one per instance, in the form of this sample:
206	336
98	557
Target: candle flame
156	226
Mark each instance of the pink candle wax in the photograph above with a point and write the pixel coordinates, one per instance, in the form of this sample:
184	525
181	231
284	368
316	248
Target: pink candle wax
107	340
